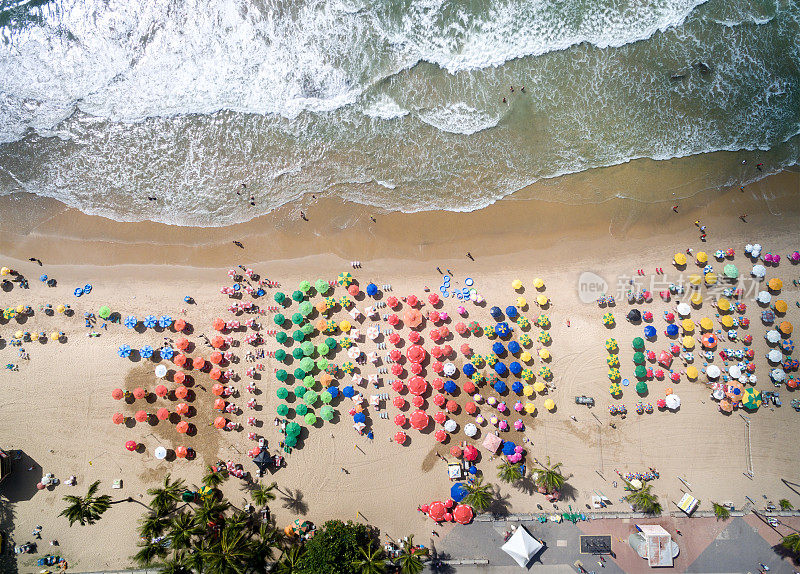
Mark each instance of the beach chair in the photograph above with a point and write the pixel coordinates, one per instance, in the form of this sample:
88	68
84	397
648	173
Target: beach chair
358	379
373	378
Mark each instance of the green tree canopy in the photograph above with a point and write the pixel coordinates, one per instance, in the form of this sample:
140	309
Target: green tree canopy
335	548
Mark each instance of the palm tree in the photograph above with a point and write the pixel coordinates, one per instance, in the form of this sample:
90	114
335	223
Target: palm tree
229	554
792	543
211	511
289	560
149	552
509	472
88	509
371	561
167	495
213	478
644	500
549	478
479	495
263	495
263	545
179	564
153	524
411	557
181	530
721	512
785	504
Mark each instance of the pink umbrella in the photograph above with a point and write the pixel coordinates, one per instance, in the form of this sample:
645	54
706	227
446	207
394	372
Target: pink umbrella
447	350
518	406
518	424
444	331
466	350
400	420
503	425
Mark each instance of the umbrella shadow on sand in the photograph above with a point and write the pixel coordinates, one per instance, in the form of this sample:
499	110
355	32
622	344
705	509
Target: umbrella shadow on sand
21	484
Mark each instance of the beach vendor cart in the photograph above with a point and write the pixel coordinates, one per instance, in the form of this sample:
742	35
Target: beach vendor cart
688	504
298	528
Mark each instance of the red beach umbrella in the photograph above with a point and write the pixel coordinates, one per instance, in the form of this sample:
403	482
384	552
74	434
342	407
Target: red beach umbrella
182	343
394	338
397	385
199	362
440	436
466	350
219	324
400	420
179	325
179	359
434	316
217	342
397	369
447	350
455	451
444	331
392	301
412	300
400	437
219	404
452	406
461	328
418	402
470	453
118	418
416	368
353	290
220	422
440	417
439	400
215	374
433	298
182	427
141	416
395	355
412	318
437	511
419	420
162	414
254	452
417	385
117	394
179	377
217	389
438	383
471	408
435	335
131	445
462	514
415	354
181	392
139	393
216	357
469	387
414	336
436	352
161	391
182	408
437	366
181	452
393	319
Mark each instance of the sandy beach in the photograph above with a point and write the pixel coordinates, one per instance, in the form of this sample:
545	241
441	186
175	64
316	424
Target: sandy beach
58	405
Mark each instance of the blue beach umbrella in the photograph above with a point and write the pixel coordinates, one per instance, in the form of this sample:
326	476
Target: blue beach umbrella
124	351
502	329
348	391
500	387
501	369
514	348
164	321
649	331
508	448
146	352
359	418
372	289
517	387
334	391
511	311
515	368
498	348
150	321
469	369
130	321
458	491
450	387
496	313
473	469
43	278
167	353
672	330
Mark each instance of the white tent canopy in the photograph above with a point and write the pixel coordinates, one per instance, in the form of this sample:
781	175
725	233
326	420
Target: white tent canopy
522	546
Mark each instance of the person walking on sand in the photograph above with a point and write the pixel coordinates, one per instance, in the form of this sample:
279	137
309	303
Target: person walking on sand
675	208
470	256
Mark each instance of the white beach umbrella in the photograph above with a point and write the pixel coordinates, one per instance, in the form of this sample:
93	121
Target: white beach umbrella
450	425
470	430
373	332
764	297
777	375
713	372
774	356
161	371
758	271
735	371
718	394
752	379
449	369
684	310
160	453
673	401
773	336
756	250
354	352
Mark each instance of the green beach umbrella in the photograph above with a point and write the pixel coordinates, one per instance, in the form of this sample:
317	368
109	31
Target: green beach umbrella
525	340
307	348
298	335
641	387
326	412
104	312
279	319
613	374
299	391
281	337
298	296
615	389
323	349
612	346
330	302
282	393
310	418
304	286
310	397
523	323
322	363
613	361
488	331
344	301
638	358
309	382
293	429
348	367
301	409
280	355
307	329
608	319
297	353
281	375
344	279
299	373
283	410
751	399
638	343
297	318
731	271
279	297
289	442
321	286
306	308
307	364
640	372
325	397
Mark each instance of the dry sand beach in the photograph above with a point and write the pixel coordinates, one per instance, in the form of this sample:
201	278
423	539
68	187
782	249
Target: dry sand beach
58	406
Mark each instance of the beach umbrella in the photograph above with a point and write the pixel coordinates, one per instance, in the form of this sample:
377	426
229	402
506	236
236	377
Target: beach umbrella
118	418
502	329
614	389
301	409
713	372
279	297
146	352
419	420
608	319
104	312
124	351
773	336
730	271
786	328
297	296
612	346
310	419
141	416
775	284
417	385
293	429
181	409
162	414
117	394
640	372
613	374
787	345
165	321
544	338
549	404
326	412
344	279
400	437
150	321
634	315
688	342
638	343
545	372
612	361
321	286
780	306
751	399
758	271
183	427
131	445
166	353
638	358
641	387
440	436
767	316
774	356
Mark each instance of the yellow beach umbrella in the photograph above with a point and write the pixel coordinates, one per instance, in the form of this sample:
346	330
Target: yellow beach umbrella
691	372
786	328
695	279
527	390
775	284
697	299
706	324
781	306
61	308
530	407
20	308
711	278
688	325
345	326
679	259
522	302
544	354
542	299
726	320
516	284
688	342
55	336
539	386
702	257
525	356
549	404
18	335
538	283
723	304
5	271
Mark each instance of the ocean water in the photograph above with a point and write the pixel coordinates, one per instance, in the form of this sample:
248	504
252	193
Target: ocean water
393	104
